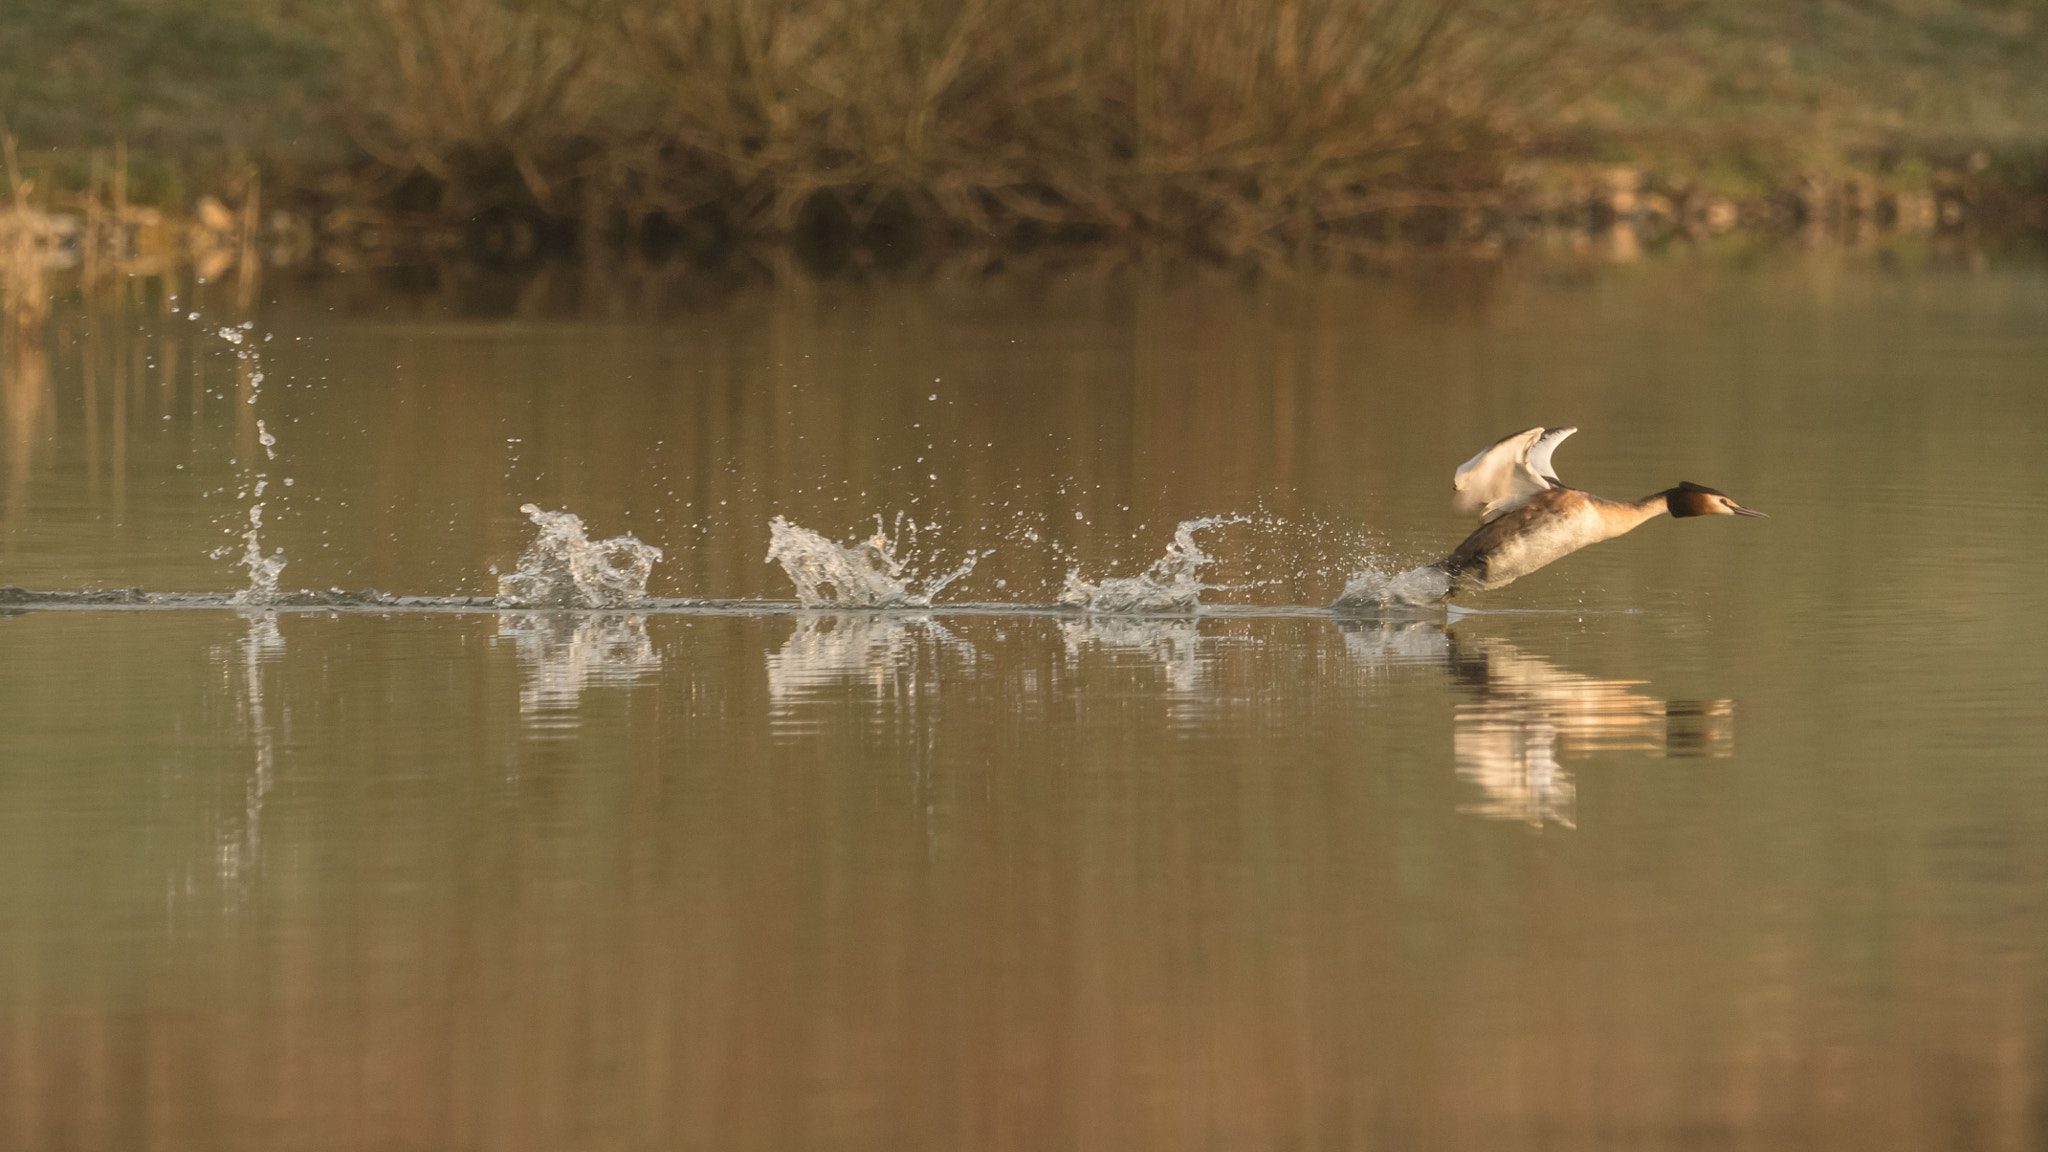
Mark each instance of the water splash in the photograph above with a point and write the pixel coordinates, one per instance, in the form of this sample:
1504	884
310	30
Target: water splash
1373	590
564	568
878	572
1171	584
263	570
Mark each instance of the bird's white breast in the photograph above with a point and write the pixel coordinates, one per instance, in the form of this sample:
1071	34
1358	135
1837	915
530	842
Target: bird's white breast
1546	540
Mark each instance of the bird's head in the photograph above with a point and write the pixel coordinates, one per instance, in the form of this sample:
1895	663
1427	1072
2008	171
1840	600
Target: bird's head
1690	499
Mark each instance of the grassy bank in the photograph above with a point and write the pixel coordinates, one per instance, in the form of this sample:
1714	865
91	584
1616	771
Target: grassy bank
889	127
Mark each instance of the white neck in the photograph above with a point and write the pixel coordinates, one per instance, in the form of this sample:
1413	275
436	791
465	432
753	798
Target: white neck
1621	517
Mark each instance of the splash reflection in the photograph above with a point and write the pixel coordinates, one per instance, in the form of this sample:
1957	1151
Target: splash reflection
1380	647
562	655
241	842
896	659
1177	646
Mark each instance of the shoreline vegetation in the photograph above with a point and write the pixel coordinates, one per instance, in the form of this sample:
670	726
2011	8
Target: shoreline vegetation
860	135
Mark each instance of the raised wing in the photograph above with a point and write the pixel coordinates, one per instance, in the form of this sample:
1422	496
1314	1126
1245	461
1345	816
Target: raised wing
1539	452
1504	476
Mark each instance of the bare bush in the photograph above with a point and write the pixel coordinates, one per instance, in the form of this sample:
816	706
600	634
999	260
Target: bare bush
1232	124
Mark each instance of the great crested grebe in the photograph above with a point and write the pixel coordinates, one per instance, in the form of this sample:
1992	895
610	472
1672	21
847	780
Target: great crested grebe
1528	518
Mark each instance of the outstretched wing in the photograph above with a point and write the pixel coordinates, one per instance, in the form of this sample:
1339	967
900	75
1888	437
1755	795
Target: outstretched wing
1504	476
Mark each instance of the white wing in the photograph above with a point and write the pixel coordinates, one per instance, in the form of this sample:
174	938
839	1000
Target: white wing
1539	452
1504	476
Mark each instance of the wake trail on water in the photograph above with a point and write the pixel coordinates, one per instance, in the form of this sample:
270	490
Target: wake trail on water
897	567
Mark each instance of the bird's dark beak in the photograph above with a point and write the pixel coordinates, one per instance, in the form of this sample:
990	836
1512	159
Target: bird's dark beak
1739	510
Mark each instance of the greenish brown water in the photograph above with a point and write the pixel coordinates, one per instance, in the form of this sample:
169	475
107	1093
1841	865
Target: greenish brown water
1726	834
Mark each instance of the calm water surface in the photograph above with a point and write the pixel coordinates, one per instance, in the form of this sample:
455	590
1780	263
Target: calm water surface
1731	833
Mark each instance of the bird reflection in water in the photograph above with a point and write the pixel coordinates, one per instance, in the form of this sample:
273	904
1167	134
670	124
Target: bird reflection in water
1518	721
1527	715
562	655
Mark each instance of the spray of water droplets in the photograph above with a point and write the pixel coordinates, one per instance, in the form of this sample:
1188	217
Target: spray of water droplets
879	572
564	568
1372	590
1172	584
264	570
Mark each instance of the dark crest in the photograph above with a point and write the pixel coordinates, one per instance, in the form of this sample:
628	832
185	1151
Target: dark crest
1690	499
